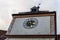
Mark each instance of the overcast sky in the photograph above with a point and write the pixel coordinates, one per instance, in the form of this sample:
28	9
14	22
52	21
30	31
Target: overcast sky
8	7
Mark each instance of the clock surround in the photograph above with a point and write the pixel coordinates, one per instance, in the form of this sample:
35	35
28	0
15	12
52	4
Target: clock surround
30	23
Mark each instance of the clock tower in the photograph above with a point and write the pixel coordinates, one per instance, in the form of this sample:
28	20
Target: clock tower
34	25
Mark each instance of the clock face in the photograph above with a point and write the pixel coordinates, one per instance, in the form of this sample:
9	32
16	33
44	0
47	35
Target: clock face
30	23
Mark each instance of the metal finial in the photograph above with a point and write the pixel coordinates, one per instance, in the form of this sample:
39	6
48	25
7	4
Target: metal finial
39	3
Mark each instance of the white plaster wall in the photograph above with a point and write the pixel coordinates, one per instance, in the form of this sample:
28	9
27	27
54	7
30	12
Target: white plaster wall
43	26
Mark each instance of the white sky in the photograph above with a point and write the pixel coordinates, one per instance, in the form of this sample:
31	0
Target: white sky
8	7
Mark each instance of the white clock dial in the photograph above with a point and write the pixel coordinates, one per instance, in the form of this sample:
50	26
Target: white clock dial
30	23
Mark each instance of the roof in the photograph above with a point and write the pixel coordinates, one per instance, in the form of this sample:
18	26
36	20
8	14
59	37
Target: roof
31	13
2	32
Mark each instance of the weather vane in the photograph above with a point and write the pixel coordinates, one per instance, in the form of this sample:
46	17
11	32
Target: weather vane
35	9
